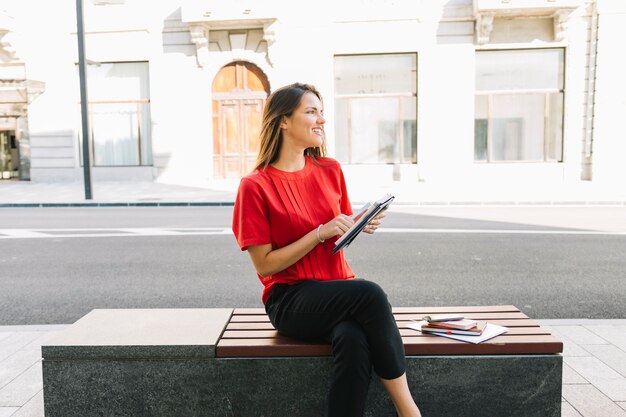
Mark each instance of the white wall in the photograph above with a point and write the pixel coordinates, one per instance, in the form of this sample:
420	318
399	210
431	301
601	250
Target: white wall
440	32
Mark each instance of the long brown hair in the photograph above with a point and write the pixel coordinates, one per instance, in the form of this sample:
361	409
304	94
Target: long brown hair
282	102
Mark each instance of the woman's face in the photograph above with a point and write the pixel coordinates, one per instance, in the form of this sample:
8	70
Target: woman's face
305	127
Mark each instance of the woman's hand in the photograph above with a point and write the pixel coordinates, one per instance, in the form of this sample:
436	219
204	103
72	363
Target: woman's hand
336	227
374	223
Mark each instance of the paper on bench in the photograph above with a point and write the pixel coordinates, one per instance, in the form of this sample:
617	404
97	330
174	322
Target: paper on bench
491	331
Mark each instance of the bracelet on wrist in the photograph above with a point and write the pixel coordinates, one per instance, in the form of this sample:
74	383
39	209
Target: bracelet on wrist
319	239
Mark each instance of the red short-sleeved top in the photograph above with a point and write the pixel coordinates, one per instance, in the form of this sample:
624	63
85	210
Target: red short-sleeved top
278	207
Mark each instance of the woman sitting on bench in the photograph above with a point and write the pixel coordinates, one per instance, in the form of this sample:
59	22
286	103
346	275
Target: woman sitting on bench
287	215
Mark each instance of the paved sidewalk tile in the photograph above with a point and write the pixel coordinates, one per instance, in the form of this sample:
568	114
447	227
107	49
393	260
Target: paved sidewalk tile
610	382
4	335
16	364
15	342
39	341
568	411
610	355
570	376
592	368
621	404
22	388
33	408
616	335
570	348
580	335
8	411
590	402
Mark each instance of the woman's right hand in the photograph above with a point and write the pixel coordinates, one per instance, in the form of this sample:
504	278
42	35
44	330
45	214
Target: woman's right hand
336	227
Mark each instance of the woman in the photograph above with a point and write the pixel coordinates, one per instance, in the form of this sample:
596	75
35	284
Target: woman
287	215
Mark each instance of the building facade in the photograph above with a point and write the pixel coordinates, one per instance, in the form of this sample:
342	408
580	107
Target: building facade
440	91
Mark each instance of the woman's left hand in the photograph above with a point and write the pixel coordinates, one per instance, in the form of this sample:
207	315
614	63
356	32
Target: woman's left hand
374	223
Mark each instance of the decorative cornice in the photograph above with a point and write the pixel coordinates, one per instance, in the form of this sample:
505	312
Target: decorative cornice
560	20
269	36
484	26
559	10
269	32
200	37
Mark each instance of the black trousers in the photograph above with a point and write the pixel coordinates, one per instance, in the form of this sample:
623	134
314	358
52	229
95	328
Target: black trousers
355	317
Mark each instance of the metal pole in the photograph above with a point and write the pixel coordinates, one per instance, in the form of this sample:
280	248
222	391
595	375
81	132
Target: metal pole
83	99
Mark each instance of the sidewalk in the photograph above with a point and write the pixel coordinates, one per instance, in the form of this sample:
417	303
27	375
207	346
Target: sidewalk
594	368
128	193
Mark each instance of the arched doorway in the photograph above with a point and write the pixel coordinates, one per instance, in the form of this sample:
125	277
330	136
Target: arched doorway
239	93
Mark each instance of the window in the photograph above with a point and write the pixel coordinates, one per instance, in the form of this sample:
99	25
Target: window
519	105
119	114
376	108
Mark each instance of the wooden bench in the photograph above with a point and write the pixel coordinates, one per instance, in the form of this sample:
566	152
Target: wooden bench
228	363
249	333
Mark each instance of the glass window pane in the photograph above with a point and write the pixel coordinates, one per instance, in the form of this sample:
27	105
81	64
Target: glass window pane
342	131
376	108
481	127
374	129
118	81
376	74
518	127
115	134
409	130
520	69
119	124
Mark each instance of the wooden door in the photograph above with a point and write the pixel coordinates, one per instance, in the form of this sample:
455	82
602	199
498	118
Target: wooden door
239	93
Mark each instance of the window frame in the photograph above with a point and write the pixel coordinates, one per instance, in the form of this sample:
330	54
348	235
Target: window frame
138	102
398	96
546	91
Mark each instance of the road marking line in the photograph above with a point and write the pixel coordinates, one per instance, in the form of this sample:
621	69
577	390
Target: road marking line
218	231
500	231
111	232
20	233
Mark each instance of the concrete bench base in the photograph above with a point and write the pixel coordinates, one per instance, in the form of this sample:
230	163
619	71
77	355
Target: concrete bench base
91	371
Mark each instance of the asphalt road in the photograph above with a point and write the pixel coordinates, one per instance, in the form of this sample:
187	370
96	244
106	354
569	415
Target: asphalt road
550	262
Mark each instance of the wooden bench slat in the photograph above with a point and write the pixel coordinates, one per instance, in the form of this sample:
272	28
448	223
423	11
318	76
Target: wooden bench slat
502	322
412	310
262	334
512	331
260	318
250	326
454	309
501	345
254	318
250	334
520	345
269	347
402	324
469	315
431	345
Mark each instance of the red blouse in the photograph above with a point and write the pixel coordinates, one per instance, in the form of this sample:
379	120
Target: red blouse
279	207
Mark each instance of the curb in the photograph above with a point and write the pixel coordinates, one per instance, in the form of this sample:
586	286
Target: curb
399	203
145	204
